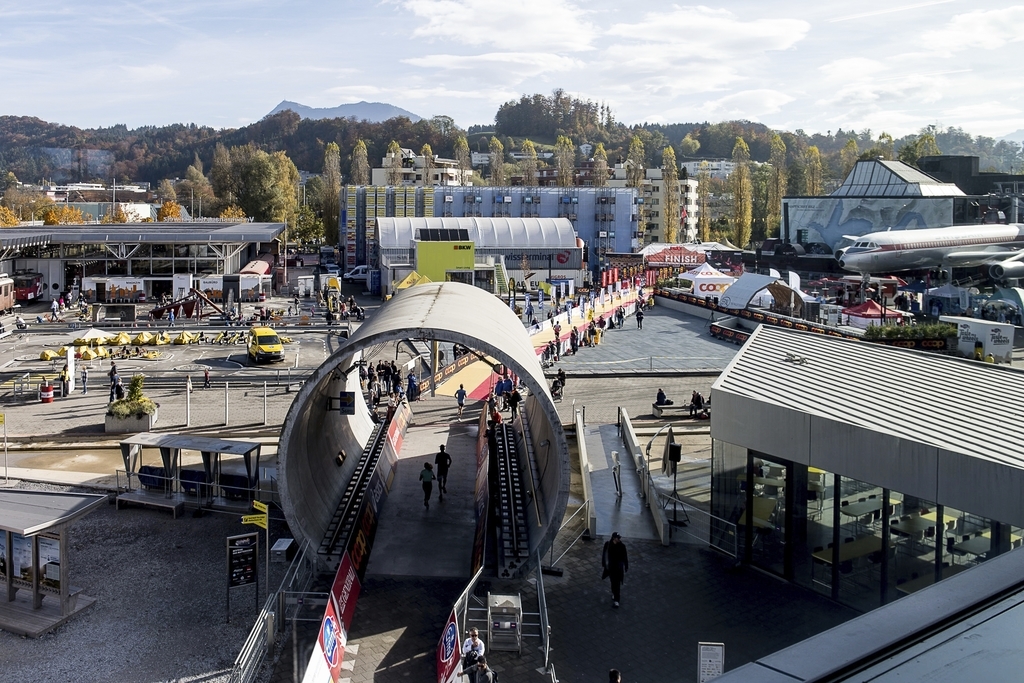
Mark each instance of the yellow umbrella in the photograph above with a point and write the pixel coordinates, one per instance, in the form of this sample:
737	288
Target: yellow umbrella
63	351
101	352
89	354
48	354
94	336
143	338
186	338
79	350
122	339
162	338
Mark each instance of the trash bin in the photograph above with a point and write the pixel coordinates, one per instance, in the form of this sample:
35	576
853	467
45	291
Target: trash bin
46	393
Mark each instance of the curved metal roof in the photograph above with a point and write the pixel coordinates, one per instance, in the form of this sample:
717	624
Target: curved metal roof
486	233
311	484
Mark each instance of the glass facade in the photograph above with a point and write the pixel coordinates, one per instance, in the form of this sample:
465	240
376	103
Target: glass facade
851	540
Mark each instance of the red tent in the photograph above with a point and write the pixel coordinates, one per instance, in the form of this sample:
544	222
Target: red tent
871	313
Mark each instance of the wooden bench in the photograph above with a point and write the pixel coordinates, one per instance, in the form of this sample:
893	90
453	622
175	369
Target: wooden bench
152	500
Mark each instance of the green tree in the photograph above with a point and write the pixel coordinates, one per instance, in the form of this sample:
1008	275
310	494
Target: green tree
670	200
776	185
359	173
528	165
287	181
635	163
308	226
222	175
742	199
600	174
886	144
812	165
848	156
923	146
689	146
760	183
703	203
428	165
394	161
565	161
330	201
462	159
497	152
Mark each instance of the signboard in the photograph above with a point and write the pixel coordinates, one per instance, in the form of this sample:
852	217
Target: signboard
448	655
21	557
993	337
49	561
347	403
331	641
258	520
345	592
262	507
242	559
710	661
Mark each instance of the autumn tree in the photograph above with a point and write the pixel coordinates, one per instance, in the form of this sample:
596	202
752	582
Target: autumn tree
26	204
760	181
528	165
221	176
428	165
286	178
600	174
359	173
308	226
497	162
169	211
394	157
922	146
61	214
703	203
670	198
848	156
330	201
115	215
739	183
565	161
462	159
7	218
233	213
776	185
165	191
812	166
635	163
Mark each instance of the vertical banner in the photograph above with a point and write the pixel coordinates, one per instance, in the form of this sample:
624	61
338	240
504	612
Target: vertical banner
482	463
331	642
448	655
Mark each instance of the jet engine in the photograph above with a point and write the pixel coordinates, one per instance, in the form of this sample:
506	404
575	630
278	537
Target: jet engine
1006	270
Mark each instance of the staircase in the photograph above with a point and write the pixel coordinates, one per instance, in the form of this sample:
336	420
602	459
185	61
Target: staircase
500	279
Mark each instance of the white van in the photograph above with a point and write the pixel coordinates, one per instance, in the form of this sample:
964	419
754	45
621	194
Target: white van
360	273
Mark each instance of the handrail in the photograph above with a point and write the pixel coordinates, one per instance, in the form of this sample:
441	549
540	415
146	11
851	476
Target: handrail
588	489
542	602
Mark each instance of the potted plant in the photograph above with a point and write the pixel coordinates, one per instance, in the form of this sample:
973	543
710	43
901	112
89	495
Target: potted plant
133	413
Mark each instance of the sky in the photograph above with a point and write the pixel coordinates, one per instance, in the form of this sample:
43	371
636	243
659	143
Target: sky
884	65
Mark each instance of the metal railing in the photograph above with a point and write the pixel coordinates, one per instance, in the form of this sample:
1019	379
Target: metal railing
699	525
542	608
575	527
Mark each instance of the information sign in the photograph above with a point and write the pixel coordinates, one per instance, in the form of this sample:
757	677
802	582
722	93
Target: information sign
347	403
242	559
710	661
262	507
258	520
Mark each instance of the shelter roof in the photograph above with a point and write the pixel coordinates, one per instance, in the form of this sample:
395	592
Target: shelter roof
880	178
192	443
740	293
706	270
486	233
200	232
31	512
913	395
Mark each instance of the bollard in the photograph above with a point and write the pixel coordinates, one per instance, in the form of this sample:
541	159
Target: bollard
188	406
278	383
225	404
265	404
652	363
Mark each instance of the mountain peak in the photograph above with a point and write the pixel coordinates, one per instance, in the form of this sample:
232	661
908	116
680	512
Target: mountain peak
361	111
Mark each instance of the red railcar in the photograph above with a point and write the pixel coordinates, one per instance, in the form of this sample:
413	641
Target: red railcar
28	286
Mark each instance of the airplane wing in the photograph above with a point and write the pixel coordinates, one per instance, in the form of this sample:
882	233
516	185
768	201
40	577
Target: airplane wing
956	257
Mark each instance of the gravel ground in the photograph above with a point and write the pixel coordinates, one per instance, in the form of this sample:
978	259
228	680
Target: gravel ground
160	610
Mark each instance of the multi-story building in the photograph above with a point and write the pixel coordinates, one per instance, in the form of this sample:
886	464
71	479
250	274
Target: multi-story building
604	218
716	168
652	194
413	169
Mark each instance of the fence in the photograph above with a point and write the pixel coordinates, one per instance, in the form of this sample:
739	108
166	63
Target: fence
575	527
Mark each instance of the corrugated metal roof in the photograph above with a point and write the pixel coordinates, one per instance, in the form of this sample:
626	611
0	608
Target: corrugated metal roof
32	512
147	232
486	233
955	404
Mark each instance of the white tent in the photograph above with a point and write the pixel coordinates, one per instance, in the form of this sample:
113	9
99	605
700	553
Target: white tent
706	280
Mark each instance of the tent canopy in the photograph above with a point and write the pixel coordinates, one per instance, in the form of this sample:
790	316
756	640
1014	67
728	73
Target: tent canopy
871	309
411	279
704	270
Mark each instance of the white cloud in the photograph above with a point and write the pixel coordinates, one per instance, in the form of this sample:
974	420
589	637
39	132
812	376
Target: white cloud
982	29
548	25
747	104
518	65
852	69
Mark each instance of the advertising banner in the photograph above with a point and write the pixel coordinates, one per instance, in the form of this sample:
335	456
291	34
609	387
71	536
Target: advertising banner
331	642
981	337
480	499
21	557
49	561
448	655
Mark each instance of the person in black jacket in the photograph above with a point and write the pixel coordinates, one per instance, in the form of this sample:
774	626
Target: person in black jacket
615	563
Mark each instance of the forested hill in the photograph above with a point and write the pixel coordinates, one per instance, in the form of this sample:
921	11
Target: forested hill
35	150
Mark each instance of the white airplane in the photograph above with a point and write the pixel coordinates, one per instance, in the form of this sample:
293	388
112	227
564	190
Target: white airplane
962	245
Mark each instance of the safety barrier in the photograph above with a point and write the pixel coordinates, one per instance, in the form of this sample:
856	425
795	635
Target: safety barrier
699	525
588	487
575	527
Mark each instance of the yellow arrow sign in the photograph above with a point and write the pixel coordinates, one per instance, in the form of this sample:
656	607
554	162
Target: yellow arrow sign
3	417
258	520
262	507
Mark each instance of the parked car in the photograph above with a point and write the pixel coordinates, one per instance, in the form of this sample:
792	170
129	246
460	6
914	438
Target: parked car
359	273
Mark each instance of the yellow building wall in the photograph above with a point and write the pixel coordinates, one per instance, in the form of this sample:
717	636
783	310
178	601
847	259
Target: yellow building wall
435	259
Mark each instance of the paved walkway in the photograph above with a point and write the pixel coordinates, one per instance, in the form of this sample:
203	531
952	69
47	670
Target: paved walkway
627	514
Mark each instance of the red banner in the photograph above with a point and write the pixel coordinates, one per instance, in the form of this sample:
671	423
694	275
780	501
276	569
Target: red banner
332	641
448	655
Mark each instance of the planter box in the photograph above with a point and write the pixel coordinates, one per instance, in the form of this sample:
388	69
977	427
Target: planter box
129	425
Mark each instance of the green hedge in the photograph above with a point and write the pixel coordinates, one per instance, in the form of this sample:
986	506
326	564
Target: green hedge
928	331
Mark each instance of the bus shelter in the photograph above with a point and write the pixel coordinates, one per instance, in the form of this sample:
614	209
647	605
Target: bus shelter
34	558
215	483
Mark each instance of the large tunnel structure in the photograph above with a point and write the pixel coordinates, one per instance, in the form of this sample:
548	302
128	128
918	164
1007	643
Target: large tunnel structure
311	483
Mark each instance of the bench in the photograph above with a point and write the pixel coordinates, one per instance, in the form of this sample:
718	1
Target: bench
680	411
143	498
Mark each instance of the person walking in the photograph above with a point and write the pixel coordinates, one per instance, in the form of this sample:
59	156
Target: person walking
615	563
114	377
639	319
427	479
460	396
170	319
65	381
443	460
480	672
206	378
85	380
514	399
